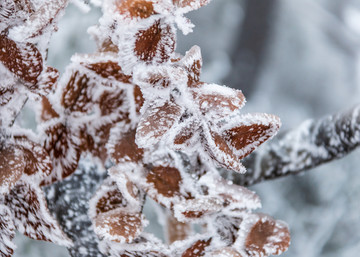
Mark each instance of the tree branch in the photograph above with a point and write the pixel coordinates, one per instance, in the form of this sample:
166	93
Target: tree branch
313	143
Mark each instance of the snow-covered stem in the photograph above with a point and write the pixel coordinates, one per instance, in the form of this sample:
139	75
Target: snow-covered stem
311	144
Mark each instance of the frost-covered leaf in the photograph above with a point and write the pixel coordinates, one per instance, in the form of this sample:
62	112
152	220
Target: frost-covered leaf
247	132
36	24
111	102
226	252
139	99
77	93
6	94
7	231
197	249
192	61
13	13
46	81
136	8
227	227
186	134
119	226
194	209
155	44
62	144
23	59
165	180
263	236
47	110
36	157
108	70
216	101
219	151
122	146
12	166
190	5
156	122
31	215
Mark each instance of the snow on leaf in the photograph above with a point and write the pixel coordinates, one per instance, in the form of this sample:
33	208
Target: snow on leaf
216	101
108	70
31	215
13	12
155	44
220	152
139	99
197	249
194	209
6	94
12	166
227	227
192	61
119	226
156	122
111	101
262	236
135	8
190	5
62	144
185	135
165	180
36	24
247	132
47	81
47	110
122	147
23	59
7	232
36	158
226	252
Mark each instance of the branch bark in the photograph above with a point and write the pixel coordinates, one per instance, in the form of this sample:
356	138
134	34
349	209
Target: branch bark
311	144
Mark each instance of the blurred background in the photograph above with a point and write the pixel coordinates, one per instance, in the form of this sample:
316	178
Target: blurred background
297	59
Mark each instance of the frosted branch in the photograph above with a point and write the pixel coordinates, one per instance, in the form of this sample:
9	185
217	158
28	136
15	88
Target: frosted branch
311	144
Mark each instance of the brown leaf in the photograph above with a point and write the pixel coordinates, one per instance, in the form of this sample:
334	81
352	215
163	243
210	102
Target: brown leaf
62	144
221	153
122	147
165	180
47	82
135	8
109	70
77	95
12	166
192	61
186	132
47	110
139	99
23	60
7	232
155	44
31	216
156	121
177	230
249	131
197	249
199	207
119	226
217	101
111	101
267	237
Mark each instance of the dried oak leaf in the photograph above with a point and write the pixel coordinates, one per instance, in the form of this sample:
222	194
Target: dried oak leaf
245	133
7	232
31	216
156	122
197	249
23	59
155	44
119	226
266	236
12	166
135	8
63	146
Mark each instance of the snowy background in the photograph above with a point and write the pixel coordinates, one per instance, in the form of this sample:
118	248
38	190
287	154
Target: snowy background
297	59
